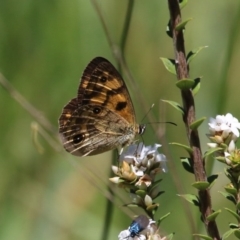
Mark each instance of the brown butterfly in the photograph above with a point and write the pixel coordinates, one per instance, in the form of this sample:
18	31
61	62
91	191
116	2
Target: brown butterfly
102	116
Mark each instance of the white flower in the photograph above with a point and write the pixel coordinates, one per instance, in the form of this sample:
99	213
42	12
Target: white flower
223	125
228	161
144	156
125	235
229	155
231	146
138	171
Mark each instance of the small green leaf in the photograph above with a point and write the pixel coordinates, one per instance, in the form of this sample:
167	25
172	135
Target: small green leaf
233	213
203	236
196	86
169	64
221	159
194	125
141	193
227	234
193	53
155	183
169	29
183	3
175	105
223	146
233	225
190	198
211	185
211	179
157	195
187	148
231	190
187	165
238	205
201	185
163	217
211	151
121	180
237	233
229	175
185	84
228	196
181	25
170	236
154	191
213	216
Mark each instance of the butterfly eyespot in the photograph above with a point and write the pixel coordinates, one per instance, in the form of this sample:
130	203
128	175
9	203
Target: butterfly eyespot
96	110
78	138
103	79
120	106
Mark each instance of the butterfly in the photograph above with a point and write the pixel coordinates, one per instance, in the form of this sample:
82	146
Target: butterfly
102	116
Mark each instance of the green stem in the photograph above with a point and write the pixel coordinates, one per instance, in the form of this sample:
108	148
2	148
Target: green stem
125	31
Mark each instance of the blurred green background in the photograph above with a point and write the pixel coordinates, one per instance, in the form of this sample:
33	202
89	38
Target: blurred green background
44	47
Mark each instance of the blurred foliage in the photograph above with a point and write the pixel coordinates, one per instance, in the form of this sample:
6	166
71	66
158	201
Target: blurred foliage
44	47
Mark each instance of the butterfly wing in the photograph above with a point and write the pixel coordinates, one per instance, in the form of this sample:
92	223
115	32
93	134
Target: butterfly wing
102	85
102	116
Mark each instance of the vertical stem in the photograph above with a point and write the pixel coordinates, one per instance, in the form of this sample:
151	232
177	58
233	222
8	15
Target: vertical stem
124	34
126	24
182	70
109	206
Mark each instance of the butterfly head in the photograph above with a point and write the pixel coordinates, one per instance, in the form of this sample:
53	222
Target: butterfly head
141	129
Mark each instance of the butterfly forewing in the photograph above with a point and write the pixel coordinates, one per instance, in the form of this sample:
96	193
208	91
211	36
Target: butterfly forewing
101	84
102	117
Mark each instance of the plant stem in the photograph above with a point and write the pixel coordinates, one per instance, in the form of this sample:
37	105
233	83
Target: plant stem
182	70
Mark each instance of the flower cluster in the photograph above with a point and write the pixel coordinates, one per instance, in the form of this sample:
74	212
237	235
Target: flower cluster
223	129
224	132
138	167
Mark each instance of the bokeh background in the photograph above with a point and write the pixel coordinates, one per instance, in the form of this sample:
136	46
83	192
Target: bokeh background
45	193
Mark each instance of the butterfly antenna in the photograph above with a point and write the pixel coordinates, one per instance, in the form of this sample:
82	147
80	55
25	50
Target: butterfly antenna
161	122
155	122
148	112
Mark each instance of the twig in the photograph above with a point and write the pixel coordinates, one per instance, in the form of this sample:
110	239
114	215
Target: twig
189	117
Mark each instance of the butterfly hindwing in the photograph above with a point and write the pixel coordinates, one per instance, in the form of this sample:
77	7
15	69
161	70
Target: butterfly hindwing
84	133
